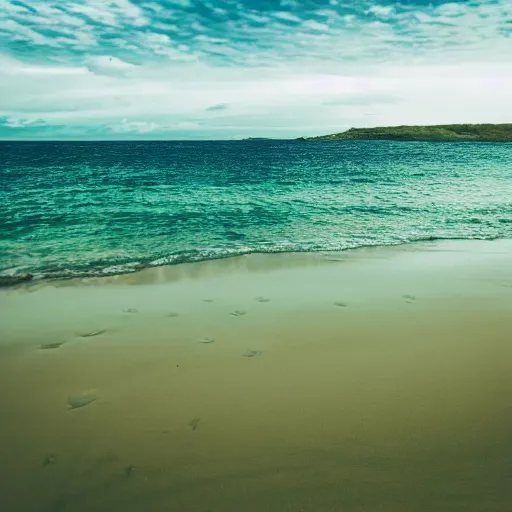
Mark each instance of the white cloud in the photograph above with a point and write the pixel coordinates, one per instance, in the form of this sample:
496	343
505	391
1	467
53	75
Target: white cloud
21	122
198	27
382	11
451	9
22	32
134	127
207	39
327	13
113	13
254	17
49	15
291	102
97	14
107	65
314	25
287	16
130	11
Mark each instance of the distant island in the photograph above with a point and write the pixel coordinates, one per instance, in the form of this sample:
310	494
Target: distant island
441	133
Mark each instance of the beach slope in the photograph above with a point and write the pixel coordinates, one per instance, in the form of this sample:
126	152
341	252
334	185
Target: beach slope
373	379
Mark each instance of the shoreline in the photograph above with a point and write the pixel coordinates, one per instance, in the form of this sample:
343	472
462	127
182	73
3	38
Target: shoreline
27	280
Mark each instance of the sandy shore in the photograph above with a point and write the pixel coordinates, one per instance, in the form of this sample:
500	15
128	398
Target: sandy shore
377	379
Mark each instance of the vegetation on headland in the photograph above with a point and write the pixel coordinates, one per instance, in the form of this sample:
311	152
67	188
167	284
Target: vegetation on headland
441	133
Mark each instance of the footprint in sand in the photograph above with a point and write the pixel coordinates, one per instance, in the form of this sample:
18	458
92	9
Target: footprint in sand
130	470
261	299
193	423
92	333
252	353
206	341
341	304
78	401
51	346
49	460
237	313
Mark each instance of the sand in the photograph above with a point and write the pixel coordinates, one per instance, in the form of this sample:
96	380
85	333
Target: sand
376	379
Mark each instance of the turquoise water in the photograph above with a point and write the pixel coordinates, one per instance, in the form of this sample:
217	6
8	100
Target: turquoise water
94	208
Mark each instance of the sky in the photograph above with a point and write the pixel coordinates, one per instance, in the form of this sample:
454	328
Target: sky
230	69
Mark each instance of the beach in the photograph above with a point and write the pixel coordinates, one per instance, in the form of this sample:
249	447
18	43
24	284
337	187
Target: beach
364	380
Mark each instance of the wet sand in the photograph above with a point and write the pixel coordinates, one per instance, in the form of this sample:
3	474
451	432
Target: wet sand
377	379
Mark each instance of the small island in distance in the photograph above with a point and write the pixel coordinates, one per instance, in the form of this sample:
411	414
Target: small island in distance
439	133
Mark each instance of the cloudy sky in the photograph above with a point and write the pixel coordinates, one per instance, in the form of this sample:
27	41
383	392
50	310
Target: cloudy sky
221	69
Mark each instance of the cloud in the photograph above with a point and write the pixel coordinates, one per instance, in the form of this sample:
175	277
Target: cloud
315	26
163	67
94	14
134	127
105	65
287	16
364	98
19	122
381	11
216	108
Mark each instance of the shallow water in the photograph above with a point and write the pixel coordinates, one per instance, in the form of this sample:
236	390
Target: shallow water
107	207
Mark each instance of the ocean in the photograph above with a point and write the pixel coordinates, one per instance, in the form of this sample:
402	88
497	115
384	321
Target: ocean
74	209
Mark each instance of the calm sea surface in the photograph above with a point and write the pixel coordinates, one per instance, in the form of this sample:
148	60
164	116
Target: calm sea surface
89	208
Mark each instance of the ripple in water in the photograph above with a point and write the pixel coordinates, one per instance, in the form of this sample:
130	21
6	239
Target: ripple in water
76	209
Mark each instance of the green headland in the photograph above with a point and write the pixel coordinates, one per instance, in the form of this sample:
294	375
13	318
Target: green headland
441	133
